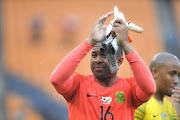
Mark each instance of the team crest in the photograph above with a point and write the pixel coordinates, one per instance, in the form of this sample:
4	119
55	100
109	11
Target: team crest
163	115
120	98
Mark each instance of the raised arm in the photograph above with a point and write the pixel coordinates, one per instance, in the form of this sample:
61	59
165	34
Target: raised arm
145	83
62	77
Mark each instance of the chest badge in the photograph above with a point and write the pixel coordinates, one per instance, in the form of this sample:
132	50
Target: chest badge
106	100
120	97
163	115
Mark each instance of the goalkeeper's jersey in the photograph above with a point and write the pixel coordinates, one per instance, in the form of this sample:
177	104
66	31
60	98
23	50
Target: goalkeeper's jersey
153	110
89	100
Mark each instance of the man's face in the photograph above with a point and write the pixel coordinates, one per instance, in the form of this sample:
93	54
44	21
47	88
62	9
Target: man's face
99	63
168	77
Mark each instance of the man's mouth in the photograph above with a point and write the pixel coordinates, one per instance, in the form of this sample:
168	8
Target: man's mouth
98	67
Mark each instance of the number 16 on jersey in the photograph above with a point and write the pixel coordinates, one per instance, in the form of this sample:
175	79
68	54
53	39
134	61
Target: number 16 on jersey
107	112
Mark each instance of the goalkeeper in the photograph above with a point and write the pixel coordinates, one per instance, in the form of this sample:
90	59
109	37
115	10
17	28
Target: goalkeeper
103	95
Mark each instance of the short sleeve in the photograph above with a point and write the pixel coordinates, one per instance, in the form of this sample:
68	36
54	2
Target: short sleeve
140	112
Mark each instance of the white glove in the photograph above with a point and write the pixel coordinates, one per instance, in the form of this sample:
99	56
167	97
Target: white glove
119	15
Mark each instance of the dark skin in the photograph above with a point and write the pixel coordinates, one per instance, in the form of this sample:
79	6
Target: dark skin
120	30
165	69
99	65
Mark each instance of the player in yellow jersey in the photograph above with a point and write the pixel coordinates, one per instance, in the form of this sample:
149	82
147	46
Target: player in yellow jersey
165	68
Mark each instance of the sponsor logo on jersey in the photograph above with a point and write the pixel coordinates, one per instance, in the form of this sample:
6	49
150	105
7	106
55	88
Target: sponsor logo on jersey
106	100
88	95
120	98
155	116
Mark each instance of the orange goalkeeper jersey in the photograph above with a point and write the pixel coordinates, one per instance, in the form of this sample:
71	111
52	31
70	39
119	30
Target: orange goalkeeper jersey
91	101
88	100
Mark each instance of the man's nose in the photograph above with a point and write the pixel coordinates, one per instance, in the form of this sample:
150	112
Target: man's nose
98	59
176	81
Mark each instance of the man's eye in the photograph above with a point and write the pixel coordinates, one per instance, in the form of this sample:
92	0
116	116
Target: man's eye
173	73
93	55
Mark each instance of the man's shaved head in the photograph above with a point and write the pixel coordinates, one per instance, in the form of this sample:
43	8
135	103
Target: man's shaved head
162	59
165	68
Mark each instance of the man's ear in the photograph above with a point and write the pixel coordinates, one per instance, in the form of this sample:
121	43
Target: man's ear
120	60
154	73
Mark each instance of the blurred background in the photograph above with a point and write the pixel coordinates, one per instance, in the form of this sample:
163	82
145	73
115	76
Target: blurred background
36	35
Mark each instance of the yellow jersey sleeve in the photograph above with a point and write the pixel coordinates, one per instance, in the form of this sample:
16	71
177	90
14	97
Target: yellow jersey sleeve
140	112
174	114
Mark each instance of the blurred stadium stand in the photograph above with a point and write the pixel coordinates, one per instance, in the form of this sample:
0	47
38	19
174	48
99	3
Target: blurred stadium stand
37	34
2	80
168	25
